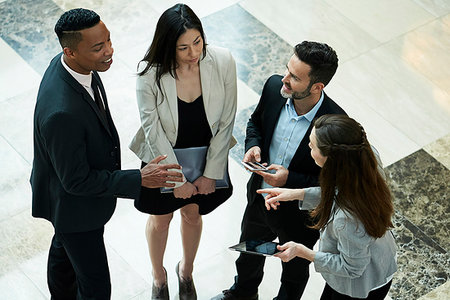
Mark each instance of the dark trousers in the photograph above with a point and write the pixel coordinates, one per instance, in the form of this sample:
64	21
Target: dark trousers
378	294
287	223
78	267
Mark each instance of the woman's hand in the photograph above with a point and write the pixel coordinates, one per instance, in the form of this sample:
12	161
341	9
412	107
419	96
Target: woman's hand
275	195
187	190
292	250
205	185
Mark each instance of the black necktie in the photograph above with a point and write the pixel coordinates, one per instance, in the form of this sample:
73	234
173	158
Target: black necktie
97	98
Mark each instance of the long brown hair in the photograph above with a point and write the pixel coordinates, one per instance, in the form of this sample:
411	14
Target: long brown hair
350	177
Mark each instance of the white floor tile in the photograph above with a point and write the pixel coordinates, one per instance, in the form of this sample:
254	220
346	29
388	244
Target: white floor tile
246	96
16	122
200	8
14	187
35	269
16	286
16	76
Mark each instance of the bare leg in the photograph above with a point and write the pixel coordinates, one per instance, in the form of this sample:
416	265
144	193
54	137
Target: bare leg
157	231
191	231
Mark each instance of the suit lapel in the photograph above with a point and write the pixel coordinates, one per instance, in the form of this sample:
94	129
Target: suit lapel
85	95
205	80
169	88
272	122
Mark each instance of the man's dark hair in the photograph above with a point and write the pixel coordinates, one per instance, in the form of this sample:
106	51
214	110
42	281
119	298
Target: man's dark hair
71	22
320	57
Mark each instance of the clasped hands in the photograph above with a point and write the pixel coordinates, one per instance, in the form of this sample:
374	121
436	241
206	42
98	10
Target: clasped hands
155	175
202	185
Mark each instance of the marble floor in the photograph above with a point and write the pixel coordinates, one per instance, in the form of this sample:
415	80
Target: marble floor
394	77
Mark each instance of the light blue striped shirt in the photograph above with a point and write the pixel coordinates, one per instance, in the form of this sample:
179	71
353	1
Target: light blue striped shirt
288	134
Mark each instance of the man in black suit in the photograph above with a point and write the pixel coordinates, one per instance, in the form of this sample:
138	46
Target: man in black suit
76	176
278	134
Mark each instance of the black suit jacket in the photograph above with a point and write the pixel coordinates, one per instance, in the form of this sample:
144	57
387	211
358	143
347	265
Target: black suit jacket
76	174
303	172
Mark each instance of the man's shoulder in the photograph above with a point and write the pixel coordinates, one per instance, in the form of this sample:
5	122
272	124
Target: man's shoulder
273	84
329	106
275	79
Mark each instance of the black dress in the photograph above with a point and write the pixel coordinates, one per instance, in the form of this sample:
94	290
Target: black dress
193	131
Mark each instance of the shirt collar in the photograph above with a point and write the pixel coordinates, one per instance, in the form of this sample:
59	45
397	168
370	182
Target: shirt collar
84	80
310	114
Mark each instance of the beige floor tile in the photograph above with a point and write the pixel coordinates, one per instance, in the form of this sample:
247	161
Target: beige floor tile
383	19
436	7
440	150
390	141
398	93
426	50
312	20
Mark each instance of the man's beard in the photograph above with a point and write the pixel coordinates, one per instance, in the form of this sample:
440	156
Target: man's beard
296	95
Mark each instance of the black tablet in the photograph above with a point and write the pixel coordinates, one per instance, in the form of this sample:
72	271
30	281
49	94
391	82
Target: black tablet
257	248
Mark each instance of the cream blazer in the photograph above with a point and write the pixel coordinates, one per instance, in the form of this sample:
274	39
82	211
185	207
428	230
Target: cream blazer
159	112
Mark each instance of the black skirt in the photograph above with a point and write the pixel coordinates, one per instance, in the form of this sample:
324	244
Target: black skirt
193	131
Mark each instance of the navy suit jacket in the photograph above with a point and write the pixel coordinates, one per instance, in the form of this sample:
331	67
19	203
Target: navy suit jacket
76	174
303	171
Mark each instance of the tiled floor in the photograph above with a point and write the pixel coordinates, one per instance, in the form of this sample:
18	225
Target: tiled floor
393	78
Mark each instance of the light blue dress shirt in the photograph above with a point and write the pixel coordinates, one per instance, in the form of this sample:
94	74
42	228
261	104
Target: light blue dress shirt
289	132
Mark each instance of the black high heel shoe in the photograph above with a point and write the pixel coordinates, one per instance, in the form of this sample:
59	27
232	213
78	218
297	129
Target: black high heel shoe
162	292
186	288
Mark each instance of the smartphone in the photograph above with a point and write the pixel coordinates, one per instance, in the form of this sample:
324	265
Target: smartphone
254	166
257	247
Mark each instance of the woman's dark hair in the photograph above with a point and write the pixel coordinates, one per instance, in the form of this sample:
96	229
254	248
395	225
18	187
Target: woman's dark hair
320	57
71	22
162	52
350	176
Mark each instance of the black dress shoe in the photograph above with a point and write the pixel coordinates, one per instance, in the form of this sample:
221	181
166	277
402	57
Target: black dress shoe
162	292
228	295
186	288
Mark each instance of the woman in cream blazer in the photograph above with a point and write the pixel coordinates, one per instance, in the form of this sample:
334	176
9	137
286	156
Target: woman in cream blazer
186	94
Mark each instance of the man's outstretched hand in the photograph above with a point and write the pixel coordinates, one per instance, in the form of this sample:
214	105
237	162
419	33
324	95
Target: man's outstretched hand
155	175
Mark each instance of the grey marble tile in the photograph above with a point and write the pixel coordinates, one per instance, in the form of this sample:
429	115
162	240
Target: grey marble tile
440	293
422	267
421	187
258	51
28	27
